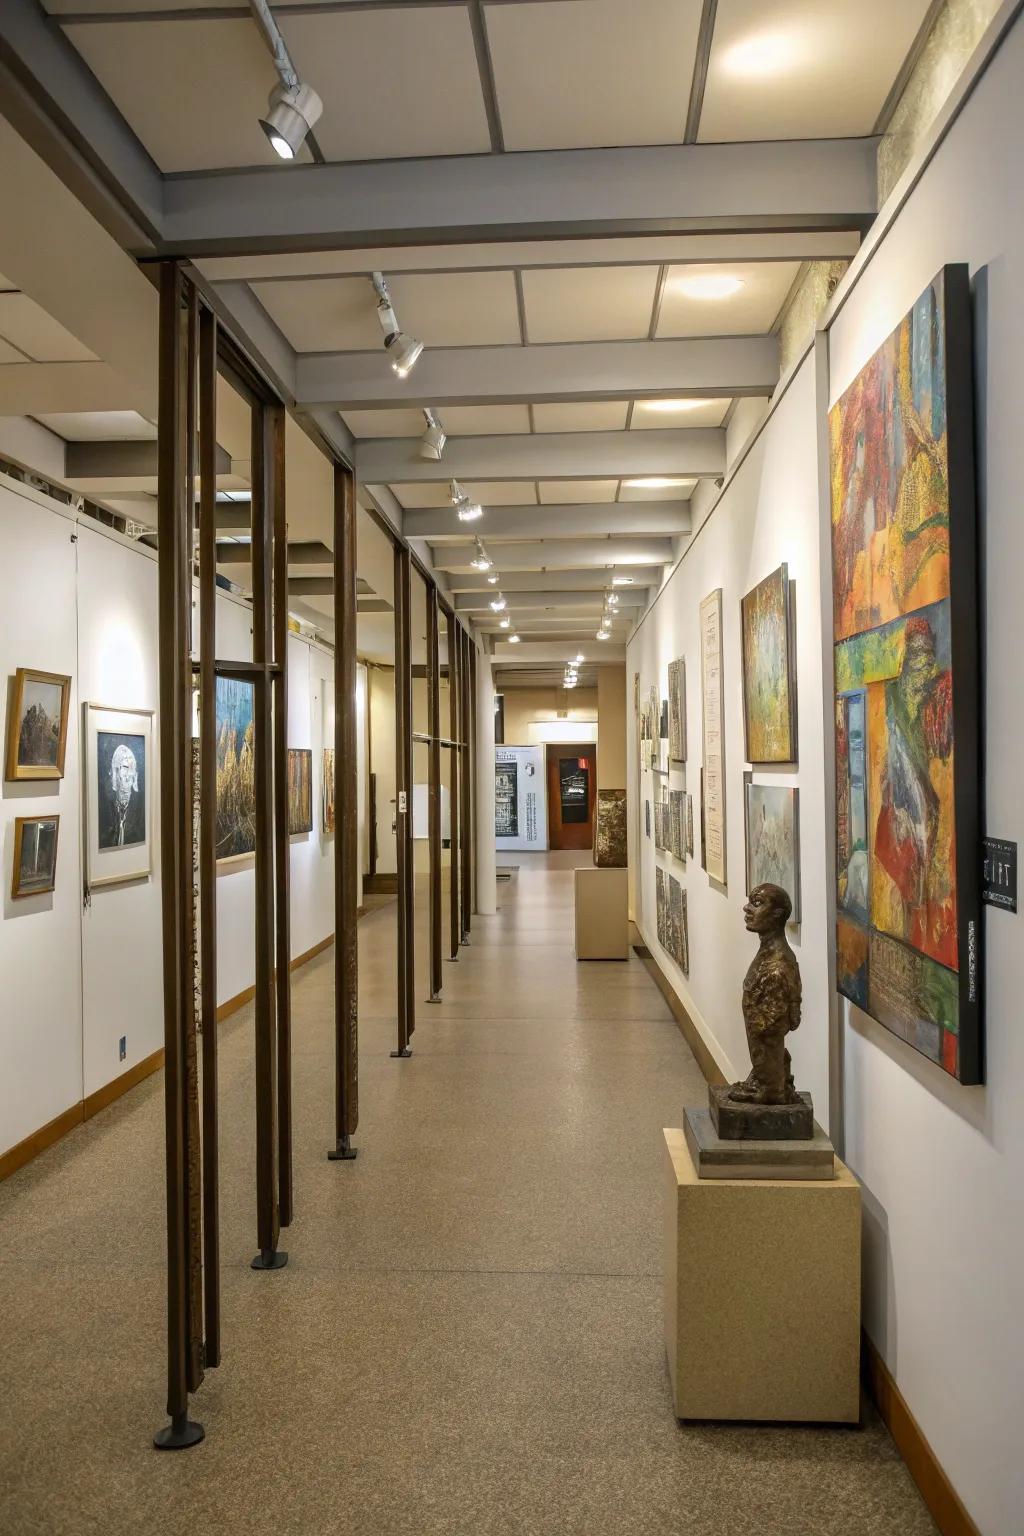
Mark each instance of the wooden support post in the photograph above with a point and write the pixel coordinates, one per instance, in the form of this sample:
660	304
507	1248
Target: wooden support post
434	789
277	517
268	1229
471	738
403	806
175	518
464	838
208	820
346	850
454	775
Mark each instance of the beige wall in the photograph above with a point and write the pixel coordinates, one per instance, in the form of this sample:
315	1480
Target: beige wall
611	719
522	705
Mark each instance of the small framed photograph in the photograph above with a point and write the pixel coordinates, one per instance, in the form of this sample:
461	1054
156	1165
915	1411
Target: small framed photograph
118	783
37	727
35	856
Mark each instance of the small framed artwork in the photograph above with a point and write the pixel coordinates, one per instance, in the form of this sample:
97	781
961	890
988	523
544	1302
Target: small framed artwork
677	710
327	793
35	856
300	791
37	729
769	681
773	838
117	780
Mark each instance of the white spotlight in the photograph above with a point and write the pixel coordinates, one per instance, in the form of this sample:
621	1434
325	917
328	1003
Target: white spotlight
402	350
498	603
513	639
481	560
579	656
613	599
493	579
603	634
505	623
622	581
467	510
291	112
434	438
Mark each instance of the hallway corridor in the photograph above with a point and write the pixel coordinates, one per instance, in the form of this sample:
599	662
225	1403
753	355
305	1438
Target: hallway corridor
467	1340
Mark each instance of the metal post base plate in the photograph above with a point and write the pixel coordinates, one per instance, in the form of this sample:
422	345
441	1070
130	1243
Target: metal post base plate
402	1054
269	1258
435	997
343	1152
179	1434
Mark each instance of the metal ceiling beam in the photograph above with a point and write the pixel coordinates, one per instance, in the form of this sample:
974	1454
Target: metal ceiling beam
552	522
548	194
702	367
106	464
298	554
540	602
530	652
595	580
567	554
688	452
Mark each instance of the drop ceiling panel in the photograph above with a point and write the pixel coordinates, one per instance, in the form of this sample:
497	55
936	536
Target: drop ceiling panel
751	311
27	326
193	91
444	309
555	492
576	73
490	493
589	303
649	414
100	426
581	416
396	423
804	70
329	314
394	82
484	420
678	490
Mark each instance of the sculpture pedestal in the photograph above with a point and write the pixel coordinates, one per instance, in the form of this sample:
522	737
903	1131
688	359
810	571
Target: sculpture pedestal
736	1121
602	920
762	1294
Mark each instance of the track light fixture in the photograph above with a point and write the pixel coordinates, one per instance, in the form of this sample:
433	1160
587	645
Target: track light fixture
493	579
513	639
434	438
293	108
498	603
603	633
481	560
468	510
505	623
402	350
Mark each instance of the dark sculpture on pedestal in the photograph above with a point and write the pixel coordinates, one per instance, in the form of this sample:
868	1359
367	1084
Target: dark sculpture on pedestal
766	1105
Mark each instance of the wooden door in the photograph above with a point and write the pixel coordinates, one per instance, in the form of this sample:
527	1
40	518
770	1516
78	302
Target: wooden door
571	795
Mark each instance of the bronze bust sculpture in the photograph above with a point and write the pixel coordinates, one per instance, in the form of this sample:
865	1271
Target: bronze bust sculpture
771	1001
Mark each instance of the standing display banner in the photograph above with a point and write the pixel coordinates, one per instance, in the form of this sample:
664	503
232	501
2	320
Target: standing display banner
520	798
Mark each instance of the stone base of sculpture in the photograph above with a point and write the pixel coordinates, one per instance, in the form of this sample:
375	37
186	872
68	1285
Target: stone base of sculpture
715	1158
739	1120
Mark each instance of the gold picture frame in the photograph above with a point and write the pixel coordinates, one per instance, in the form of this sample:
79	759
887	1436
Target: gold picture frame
20	889
29	680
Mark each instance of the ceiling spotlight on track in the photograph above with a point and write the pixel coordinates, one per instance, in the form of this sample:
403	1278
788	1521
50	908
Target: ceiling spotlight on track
402	350
505	623
434	438
498	603
493	579
293	109
513	639
603	633
468	510
481	561
622	581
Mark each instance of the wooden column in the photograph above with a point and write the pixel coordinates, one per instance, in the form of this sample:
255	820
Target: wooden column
455	774
472	751
467	759
278	518
268	1225
346	848
174	523
403	806
434	789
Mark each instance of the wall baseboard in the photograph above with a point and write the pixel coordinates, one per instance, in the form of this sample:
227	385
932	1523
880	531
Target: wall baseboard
77	1114
935	1488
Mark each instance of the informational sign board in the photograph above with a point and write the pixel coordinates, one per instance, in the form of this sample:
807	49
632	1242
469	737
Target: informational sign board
999	874
520	798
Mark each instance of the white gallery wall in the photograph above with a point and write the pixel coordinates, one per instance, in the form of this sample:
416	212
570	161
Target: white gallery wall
78	599
941	1166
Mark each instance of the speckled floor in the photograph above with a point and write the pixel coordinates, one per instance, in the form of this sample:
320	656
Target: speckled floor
467	1339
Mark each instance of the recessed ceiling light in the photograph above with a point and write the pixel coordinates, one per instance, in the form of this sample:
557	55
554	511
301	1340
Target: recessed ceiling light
620	581
767	54
654	483
709	285
671	405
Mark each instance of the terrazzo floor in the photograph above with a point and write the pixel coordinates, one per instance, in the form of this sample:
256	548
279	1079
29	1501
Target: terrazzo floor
467	1339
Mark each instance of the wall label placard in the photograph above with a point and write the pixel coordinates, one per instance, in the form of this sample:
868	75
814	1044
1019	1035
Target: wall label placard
999	873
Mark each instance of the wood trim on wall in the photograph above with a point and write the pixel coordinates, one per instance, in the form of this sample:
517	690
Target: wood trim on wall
943	1501
77	1114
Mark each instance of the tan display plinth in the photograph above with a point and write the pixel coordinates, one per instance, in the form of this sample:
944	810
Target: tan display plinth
762	1294
602	921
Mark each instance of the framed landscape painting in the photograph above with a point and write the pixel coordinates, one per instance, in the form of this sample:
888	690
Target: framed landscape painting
300	791
773	838
769	681
236	795
35	856
37	725
904	580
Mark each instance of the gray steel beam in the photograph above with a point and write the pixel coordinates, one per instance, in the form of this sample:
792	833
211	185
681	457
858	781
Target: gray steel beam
106	463
552	522
595	580
701	367
552	194
298	554
561	554
540	602
686	452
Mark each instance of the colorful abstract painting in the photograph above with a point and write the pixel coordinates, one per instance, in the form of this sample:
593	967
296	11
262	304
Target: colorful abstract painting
769	685
906	684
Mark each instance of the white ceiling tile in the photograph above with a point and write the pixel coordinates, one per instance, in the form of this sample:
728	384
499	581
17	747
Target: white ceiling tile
648	414
752	310
484	420
581	416
324	314
27	326
555	492
573	73
9	354
493	493
394	83
100	426
678	490
803	70
396	423
589	303
193	91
